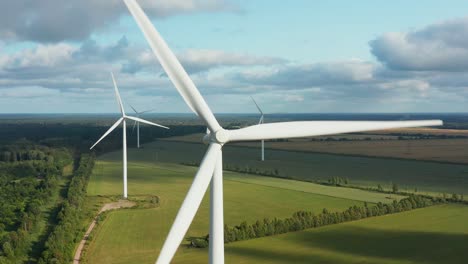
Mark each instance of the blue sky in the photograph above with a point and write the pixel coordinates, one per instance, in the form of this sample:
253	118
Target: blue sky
294	56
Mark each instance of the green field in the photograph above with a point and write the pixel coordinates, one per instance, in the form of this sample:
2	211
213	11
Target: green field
436	234
408	174
135	236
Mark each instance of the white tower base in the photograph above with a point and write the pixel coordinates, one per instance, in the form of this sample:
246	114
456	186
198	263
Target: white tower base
124	147
216	214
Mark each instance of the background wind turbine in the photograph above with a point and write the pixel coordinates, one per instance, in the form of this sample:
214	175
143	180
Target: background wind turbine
123	120
260	122
211	168
137	124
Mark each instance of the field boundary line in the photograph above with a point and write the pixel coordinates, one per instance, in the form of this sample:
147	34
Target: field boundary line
356	200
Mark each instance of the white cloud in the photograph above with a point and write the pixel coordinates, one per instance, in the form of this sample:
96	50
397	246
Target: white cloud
310	75
294	98
417	85
201	60
56	20
438	47
27	92
40	56
173	7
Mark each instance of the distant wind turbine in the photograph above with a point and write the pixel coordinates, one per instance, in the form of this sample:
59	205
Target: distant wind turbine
123	120
137	124
260	122
211	167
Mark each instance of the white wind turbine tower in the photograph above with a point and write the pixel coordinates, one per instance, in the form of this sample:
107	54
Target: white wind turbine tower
123	120
211	167
137	124
260	122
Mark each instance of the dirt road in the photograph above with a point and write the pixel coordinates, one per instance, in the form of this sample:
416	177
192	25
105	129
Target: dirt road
106	207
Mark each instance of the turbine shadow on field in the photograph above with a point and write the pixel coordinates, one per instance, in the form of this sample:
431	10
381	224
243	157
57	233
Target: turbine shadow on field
417	247
423	247
270	255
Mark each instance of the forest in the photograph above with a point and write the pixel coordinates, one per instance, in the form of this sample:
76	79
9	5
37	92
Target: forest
41	209
30	175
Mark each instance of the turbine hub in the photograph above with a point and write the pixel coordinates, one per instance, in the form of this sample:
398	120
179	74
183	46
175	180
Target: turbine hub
221	137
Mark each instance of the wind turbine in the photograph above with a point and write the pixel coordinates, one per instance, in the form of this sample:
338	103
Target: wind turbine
123	120
260	122
137	124
211	167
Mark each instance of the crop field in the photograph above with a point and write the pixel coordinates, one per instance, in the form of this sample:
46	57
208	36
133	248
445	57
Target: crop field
136	235
408	174
377	145
440	150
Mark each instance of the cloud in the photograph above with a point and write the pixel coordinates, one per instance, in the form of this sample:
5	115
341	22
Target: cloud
49	21
27	92
418	85
203	60
294	98
75	76
196	61
438	47
42	55
309	75
163	8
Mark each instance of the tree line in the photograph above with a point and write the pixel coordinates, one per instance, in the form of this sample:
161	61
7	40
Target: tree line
82	136
305	219
247	169
61	242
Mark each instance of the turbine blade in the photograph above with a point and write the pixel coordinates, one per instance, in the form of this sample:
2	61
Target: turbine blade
258	107
117	94
137	119
151	110
134	110
172	67
190	205
108	131
134	124
318	128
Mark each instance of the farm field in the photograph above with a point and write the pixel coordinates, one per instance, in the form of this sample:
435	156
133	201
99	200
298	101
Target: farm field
141	232
408	174
381	145
435	234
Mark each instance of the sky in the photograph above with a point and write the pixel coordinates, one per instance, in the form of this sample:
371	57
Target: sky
295	56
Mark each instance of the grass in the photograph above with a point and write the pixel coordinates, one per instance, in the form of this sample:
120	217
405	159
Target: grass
341	192
408	174
141	232
436	234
